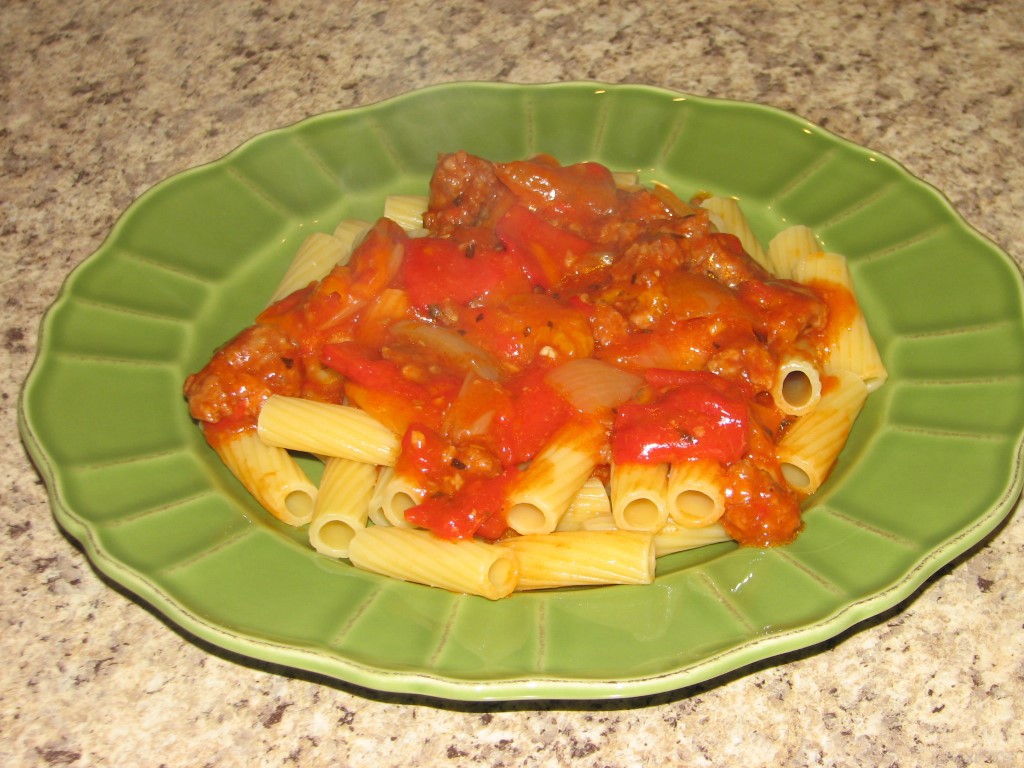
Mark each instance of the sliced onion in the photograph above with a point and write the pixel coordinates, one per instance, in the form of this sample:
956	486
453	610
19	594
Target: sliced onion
593	385
449	346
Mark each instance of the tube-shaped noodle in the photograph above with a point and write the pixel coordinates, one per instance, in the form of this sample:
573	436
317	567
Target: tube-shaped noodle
466	565
571	558
324	428
638	496
591	502
797	386
543	492
696	493
342	505
809	447
271	475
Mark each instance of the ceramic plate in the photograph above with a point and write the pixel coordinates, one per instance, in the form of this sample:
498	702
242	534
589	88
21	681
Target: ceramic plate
933	464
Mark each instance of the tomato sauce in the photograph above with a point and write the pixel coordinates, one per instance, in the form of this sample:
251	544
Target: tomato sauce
527	265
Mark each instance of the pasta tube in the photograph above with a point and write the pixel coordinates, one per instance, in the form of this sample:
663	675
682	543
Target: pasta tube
735	222
809	447
351	232
797	387
342	505
576	558
327	429
271	475
406	210
696	493
677	538
465	565
543	492
591	502
789	247
377	498
851	346
399	495
638	496
317	256
599	523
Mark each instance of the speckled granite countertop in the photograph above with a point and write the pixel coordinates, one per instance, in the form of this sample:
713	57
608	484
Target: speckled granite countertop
102	100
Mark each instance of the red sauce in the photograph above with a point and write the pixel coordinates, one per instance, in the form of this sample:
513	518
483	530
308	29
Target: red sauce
695	415
527	265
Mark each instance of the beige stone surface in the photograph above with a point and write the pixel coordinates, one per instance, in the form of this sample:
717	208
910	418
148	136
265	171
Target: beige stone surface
101	100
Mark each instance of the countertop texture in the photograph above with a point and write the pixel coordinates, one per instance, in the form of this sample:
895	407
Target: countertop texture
102	100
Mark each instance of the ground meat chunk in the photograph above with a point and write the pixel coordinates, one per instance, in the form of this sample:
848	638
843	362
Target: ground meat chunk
258	362
464	192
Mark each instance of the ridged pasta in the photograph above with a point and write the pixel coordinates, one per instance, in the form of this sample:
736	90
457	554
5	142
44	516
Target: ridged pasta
789	247
696	493
576	558
590	502
342	505
735	223
809	447
467	565
328	429
379	495
317	256
399	495
852	347
638	496
677	538
406	210
797	387
351	232
271	475
545	489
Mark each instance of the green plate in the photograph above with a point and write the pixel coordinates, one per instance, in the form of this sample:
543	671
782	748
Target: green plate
933	464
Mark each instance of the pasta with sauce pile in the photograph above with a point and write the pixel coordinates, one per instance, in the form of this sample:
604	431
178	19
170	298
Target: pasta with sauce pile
542	375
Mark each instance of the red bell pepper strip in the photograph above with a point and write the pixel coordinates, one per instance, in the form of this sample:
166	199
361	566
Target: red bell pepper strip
697	415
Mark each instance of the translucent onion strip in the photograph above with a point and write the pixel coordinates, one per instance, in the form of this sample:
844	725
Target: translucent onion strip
450	346
593	385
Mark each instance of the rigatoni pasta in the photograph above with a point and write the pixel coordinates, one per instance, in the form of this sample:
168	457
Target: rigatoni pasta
809	448
342	505
540	376
270	474
589	503
639	496
545	489
466	565
695	496
324	428
583	558
318	255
